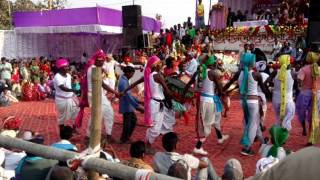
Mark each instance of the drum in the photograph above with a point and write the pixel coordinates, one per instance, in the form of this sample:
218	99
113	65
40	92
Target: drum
177	86
185	78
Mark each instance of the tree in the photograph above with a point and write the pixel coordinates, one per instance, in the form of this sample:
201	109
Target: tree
55	4
5	21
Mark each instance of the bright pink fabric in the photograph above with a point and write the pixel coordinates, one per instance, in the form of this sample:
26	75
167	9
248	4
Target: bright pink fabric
147	91
61	63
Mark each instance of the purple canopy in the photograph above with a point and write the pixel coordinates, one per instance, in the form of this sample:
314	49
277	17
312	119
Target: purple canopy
92	16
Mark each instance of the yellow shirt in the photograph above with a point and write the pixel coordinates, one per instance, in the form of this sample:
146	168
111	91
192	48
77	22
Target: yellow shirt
200	10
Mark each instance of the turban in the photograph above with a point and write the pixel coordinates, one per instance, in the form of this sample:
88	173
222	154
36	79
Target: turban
62	63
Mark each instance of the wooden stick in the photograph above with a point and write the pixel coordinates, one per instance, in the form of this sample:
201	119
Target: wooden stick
102	166
96	116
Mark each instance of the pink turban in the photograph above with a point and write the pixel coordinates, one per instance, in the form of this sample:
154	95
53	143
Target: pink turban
62	63
147	92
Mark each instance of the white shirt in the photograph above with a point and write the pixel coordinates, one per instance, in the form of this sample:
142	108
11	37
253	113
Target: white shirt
265	148
192	67
109	68
5	74
208	87
59	80
182	32
89	79
155	88
163	161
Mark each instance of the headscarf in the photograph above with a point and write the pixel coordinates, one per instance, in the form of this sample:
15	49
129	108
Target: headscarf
313	58
147	90
280	136
247	60
84	86
210	61
62	63
284	61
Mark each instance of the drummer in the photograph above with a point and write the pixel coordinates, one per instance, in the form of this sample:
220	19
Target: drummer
159	112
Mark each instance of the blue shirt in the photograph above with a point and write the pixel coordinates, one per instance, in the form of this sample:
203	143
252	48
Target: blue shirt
128	103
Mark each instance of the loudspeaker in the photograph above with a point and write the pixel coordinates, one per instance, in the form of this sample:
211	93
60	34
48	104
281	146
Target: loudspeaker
131	16
313	35
314	10
132	25
130	36
144	41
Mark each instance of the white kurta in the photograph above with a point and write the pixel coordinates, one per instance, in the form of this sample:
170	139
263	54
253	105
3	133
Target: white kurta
66	102
107	110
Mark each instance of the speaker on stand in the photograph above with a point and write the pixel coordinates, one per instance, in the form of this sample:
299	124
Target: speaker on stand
132	25
313	34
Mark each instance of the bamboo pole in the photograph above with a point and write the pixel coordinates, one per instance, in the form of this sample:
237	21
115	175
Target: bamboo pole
102	166
96	116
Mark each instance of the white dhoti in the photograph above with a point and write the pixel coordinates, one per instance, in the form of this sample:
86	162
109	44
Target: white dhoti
67	108
111	82
290	111
107	114
163	121
206	118
264	107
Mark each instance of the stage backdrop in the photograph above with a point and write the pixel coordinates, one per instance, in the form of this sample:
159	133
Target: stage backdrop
15	45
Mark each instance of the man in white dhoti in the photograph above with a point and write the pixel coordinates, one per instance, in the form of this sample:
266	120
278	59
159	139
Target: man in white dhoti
65	99
156	106
107	110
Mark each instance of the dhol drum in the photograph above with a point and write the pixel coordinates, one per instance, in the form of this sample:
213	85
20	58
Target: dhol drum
177	86
185	78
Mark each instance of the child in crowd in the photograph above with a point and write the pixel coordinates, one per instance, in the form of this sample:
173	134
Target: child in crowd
76	85
44	89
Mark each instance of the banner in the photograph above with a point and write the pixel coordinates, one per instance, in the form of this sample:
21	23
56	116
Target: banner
266	4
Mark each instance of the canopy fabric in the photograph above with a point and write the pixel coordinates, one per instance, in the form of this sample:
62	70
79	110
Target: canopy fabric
92	20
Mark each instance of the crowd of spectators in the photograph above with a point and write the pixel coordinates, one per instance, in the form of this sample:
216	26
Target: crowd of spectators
289	12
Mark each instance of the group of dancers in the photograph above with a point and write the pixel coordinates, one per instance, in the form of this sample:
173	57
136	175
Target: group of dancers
209	93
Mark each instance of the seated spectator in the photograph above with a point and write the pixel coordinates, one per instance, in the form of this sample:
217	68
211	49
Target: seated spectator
279	136
163	161
60	173
33	167
303	164
29	92
8	96
137	152
4	174
43	88
232	170
65	136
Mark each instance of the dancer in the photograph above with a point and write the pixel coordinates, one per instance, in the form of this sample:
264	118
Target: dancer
65	99
261	67
309	97
157	106
248	82
97	60
282	99
210	106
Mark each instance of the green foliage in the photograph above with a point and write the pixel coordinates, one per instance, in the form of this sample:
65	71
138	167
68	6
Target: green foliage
6	11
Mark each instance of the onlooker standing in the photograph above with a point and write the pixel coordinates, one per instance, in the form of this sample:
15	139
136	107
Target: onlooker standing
127	105
5	71
200	15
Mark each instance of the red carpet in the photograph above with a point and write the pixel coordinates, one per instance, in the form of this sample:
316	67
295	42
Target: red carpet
41	117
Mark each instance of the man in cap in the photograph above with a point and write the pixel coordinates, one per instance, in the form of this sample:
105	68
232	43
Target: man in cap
65	98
